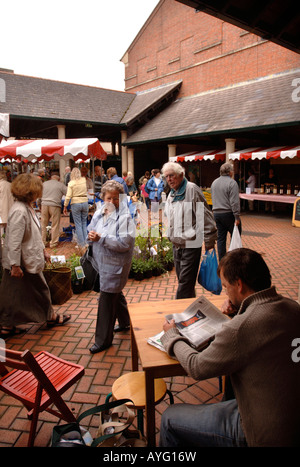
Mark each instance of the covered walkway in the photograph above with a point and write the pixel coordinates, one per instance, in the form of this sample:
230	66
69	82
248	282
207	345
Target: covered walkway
272	235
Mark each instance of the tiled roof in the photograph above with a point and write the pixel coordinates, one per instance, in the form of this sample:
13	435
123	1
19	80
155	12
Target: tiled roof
261	103
42	98
148	100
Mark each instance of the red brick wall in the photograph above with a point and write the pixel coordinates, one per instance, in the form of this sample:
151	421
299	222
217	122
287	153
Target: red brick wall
205	52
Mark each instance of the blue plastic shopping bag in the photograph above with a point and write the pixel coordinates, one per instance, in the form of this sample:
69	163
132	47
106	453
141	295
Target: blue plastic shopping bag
208	276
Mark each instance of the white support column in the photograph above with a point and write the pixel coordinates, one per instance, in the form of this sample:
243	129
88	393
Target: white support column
230	147
61	130
130	159
171	150
124	153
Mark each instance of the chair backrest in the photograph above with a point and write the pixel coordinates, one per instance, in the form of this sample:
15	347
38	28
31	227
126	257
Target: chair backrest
11	359
65	374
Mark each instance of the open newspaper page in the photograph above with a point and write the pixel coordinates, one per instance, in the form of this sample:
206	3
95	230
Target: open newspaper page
199	323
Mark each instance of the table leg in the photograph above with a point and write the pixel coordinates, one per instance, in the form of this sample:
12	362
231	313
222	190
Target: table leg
134	351
150	408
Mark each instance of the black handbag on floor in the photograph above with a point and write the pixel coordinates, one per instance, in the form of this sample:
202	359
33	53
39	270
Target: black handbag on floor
91	280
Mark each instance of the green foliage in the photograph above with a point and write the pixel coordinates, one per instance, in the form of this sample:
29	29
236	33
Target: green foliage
72	262
146	262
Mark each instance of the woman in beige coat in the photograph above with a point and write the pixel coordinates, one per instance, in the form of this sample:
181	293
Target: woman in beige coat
24	293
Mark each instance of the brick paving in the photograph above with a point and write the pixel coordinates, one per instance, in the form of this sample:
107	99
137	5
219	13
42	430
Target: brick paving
272	235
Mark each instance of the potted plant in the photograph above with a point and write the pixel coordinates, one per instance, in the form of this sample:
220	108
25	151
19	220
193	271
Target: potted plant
77	284
138	268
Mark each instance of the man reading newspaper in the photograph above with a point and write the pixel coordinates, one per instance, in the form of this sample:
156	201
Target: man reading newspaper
254	348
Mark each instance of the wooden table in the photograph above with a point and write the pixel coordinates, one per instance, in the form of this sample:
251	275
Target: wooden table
147	319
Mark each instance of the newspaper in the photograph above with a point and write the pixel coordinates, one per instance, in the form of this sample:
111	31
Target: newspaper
199	323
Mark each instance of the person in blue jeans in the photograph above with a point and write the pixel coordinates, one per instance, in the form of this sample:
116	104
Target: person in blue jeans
254	350
77	194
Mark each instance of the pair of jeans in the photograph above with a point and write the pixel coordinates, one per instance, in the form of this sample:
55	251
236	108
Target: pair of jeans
208	425
186	261
80	214
225	223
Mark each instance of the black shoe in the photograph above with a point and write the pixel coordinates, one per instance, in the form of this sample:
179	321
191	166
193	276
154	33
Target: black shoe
121	328
96	348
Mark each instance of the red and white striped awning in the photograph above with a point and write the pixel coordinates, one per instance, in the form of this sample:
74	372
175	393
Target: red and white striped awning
47	149
282	152
200	156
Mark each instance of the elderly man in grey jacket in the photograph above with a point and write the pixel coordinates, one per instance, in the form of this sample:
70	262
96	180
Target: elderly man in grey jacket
190	222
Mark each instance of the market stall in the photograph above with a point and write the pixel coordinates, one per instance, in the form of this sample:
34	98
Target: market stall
47	149
201	167
285	187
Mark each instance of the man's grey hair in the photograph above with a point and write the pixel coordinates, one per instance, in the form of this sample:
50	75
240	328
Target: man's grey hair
174	167
226	169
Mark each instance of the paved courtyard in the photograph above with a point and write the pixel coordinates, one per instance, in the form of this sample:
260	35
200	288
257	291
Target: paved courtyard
272	235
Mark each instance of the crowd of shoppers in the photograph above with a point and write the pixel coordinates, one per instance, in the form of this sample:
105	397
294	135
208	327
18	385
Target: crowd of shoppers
253	347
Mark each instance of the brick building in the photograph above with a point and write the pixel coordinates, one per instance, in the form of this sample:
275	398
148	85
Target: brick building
231	85
206	53
194	85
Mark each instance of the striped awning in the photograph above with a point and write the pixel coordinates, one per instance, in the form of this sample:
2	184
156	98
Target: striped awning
48	149
282	152
200	156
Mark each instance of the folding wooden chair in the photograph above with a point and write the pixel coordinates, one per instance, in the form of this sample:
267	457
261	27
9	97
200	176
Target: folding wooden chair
38	381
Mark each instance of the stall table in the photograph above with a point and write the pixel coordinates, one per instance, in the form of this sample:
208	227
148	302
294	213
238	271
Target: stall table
289	199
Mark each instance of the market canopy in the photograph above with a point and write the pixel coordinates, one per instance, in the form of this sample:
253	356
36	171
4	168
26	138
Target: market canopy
48	149
199	156
282	152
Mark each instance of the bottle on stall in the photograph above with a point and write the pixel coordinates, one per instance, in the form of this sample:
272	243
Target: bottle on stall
275	189
296	189
288	189
262	189
281	190
268	189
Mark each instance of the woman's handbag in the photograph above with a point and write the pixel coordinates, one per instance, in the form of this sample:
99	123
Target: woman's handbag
91	280
59	283
114	429
236	241
208	276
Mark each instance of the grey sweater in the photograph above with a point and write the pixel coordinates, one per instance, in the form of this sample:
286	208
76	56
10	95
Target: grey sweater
255	349
225	196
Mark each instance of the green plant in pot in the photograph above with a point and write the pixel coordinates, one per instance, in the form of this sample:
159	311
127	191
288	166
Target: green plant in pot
77	284
138	268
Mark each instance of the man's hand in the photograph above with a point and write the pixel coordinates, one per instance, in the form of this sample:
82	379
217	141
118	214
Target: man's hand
228	308
169	325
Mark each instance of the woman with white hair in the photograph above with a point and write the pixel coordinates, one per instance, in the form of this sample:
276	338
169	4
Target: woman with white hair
112	235
77	193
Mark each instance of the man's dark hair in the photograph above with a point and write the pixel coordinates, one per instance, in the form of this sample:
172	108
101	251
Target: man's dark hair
247	265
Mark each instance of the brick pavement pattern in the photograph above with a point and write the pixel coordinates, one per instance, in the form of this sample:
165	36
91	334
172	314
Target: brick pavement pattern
273	236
